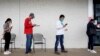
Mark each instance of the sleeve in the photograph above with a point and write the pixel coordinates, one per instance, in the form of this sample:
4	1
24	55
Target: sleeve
5	27
28	24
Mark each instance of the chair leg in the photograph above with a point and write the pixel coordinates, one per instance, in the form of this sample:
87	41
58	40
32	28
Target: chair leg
42	46
11	47
14	45
33	48
1	46
45	47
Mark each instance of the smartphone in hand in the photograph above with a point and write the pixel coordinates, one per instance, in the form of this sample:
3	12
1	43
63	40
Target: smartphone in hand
37	25
11	27
66	29
34	25
66	24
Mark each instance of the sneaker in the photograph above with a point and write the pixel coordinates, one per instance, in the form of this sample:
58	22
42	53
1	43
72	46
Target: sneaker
6	53
26	52
9	52
57	53
30	51
93	51
64	51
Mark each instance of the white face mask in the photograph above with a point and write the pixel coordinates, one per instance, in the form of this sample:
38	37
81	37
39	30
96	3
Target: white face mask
62	19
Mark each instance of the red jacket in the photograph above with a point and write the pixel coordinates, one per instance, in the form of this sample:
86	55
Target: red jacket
28	26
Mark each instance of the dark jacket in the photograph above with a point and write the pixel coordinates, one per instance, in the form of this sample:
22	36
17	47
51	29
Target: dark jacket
91	29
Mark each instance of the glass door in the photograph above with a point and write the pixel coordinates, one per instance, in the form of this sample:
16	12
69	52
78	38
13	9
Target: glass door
97	17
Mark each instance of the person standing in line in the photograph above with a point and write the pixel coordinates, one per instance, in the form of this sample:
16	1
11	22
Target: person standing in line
60	34
28	30
91	31
7	35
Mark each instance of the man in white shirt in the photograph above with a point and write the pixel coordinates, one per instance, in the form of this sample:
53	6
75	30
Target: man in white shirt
60	34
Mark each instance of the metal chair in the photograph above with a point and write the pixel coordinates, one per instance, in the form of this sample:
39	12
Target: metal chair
12	41
38	38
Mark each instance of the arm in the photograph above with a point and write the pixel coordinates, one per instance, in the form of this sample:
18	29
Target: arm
7	28
34	25
28	24
64	26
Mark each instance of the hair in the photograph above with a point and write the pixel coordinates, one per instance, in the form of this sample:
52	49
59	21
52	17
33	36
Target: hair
92	20
62	16
31	14
8	19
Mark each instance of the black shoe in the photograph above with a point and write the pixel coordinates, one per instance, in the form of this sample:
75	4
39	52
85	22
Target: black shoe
57	53
64	51
30	51
26	52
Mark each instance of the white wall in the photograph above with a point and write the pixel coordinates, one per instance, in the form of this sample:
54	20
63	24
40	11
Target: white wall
10	9
90	9
46	14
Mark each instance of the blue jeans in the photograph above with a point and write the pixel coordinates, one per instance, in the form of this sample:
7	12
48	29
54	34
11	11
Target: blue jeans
28	42
59	38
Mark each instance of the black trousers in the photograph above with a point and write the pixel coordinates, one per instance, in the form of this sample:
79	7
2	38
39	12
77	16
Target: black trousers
7	38
90	42
59	39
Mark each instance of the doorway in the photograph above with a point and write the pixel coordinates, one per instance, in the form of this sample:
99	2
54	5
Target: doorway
97	17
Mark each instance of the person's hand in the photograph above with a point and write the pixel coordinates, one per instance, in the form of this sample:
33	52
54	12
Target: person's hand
98	25
65	25
11	27
66	29
35	25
